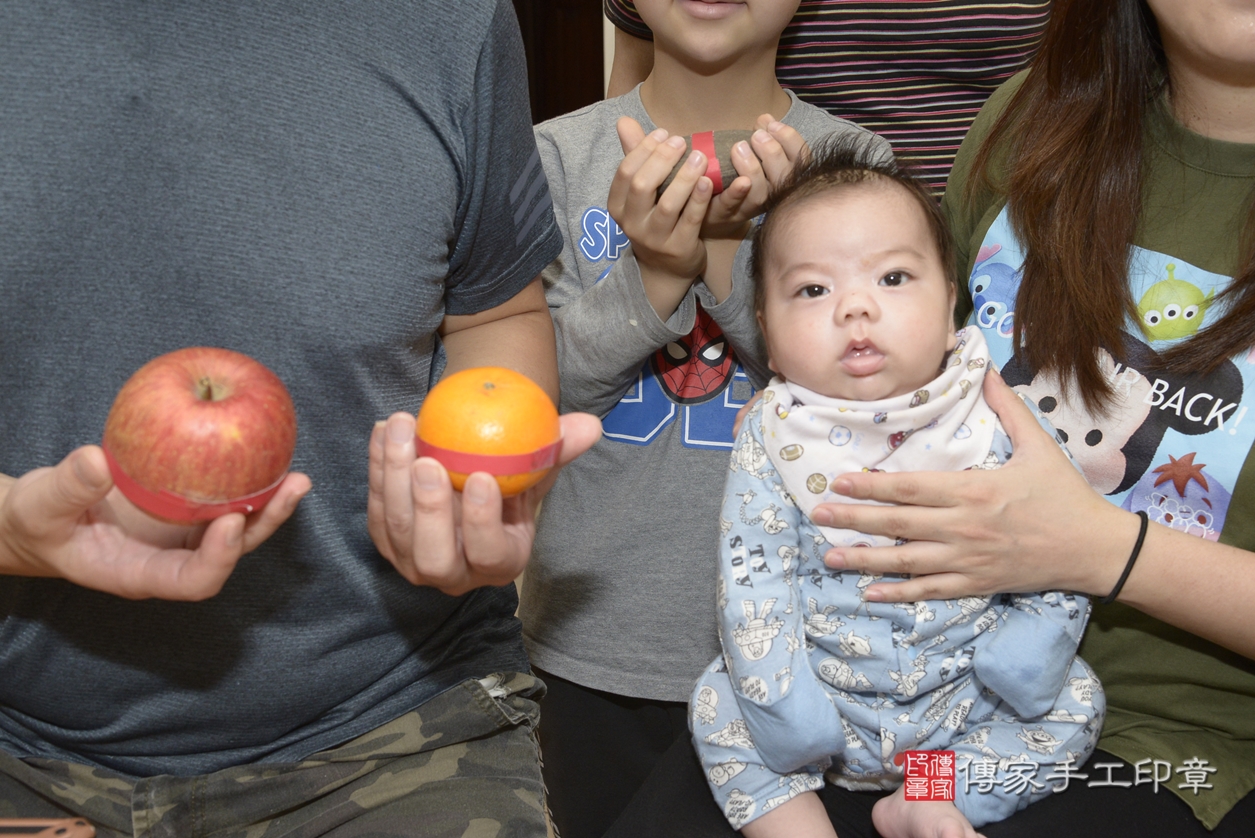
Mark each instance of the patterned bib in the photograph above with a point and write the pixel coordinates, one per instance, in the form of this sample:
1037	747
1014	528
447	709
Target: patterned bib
944	426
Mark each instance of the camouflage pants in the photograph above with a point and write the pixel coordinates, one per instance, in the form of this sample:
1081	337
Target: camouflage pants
464	764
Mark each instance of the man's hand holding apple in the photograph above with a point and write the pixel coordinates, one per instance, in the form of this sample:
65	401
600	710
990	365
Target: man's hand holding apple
69	521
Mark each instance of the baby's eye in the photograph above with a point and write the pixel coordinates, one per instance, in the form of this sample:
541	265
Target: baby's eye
894	279
813	291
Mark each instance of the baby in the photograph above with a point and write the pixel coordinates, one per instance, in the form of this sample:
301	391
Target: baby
855	293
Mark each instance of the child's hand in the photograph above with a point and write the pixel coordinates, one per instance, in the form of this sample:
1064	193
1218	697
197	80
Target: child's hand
663	230
776	147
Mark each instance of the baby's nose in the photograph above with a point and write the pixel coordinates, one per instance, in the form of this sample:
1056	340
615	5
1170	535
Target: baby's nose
857	304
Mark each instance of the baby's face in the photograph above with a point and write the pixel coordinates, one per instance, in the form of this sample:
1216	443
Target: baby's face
857	305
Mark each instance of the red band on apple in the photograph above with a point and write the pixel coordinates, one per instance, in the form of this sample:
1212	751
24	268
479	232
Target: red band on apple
494	464
705	143
172	507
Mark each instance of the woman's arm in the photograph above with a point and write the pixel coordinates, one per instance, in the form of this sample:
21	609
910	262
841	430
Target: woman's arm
1035	524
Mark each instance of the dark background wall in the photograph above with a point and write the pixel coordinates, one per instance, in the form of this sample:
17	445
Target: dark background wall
563	39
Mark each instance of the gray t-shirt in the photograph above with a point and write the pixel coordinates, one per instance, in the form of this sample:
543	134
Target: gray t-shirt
620	592
315	185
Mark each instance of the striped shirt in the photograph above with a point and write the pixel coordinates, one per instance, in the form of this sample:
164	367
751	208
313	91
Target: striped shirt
914	72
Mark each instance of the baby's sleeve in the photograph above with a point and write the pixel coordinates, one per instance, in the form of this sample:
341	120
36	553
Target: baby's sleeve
790	716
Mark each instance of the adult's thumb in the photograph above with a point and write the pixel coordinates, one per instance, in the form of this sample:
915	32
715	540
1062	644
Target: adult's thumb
1016	417
79	481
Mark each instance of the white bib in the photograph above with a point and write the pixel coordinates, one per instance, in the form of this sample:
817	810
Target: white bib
944	426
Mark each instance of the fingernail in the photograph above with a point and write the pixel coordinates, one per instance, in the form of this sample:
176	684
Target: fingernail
761	136
822	517
871	595
399	430
427	475
842	486
697	160
742	148
676	142
658	135
476	491
835	560
775	126
703	185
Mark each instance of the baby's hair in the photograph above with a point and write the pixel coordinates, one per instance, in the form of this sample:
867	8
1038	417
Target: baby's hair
832	164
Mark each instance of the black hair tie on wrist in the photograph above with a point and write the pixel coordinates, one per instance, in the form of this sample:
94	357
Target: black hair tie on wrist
1137	549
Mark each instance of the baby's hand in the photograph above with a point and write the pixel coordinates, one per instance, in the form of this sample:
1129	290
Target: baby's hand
664	230
776	148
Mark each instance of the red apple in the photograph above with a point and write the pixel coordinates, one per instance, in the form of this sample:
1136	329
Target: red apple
200	432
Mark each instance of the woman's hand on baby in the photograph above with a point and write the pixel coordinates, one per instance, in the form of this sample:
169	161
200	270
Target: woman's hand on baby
1032	525
664	230
760	169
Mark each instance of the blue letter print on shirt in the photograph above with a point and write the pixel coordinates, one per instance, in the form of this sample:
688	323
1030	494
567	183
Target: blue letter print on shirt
645	410
603	238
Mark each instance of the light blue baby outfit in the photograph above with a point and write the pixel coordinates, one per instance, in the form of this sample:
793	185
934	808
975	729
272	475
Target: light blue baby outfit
813	680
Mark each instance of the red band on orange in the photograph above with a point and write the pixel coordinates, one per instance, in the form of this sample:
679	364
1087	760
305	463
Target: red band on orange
498	465
705	143
172	507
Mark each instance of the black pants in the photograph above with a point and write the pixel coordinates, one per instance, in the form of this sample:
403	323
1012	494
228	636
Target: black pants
675	802
598	748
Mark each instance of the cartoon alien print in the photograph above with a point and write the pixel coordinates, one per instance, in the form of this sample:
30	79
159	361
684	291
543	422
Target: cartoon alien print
1169	444
1172	309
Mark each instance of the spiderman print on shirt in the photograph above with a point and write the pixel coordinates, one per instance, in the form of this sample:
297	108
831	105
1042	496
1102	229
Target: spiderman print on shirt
690	380
695	380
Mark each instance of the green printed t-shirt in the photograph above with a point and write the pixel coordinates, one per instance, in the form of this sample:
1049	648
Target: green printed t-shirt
1176	446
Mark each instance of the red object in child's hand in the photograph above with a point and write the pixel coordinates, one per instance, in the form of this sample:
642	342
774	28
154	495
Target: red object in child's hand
717	146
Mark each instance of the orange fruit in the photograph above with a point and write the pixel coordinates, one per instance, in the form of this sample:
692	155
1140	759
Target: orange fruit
490	419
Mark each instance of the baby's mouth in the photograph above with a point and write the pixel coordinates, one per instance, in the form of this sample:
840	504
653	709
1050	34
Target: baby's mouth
862	358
